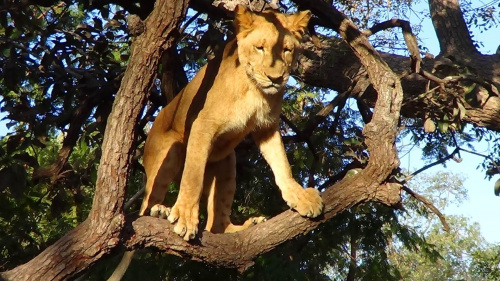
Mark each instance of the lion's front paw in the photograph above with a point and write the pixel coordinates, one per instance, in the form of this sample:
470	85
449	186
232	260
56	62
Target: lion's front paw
186	221
306	202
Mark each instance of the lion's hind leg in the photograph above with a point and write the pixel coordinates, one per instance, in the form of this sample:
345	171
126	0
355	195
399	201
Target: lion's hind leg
231	228
219	187
163	162
163	159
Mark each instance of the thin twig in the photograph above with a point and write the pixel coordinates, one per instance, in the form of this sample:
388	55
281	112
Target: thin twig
440	161
456	144
482	155
42	15
409	37
321	115
431	77
292	126
340	105
492	90
306	138
188	22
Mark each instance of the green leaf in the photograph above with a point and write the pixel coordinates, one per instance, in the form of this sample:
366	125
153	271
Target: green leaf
456	111
462	109
443	126
97	23
470	95
497	187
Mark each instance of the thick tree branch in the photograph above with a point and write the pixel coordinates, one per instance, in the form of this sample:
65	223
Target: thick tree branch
79	117
240	249
331	64
451	30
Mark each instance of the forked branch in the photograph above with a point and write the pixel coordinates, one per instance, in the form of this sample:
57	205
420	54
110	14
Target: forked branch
409	37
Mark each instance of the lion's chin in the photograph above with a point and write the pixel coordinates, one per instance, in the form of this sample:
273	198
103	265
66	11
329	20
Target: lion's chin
271	90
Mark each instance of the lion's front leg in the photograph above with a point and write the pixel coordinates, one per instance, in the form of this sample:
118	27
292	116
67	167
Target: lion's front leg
306	202
185	211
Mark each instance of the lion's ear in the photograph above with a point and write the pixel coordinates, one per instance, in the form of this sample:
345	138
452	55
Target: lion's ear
298	23
243	20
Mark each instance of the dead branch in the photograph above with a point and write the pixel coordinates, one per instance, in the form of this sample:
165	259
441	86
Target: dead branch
429	205
440	161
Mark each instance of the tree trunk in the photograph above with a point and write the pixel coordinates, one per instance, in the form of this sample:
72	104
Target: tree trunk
100	233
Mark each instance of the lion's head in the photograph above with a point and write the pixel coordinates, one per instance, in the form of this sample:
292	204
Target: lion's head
268	44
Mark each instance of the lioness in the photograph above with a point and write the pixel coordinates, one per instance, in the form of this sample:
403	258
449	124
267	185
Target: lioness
193	137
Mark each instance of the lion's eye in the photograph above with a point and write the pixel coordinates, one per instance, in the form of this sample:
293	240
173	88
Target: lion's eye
259	48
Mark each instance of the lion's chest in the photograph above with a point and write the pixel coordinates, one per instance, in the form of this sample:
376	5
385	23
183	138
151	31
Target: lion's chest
252	110
246	114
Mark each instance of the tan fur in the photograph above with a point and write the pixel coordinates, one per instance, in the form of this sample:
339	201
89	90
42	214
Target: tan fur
193	137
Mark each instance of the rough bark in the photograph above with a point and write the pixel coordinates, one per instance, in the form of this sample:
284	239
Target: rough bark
331	64
451	30
100	233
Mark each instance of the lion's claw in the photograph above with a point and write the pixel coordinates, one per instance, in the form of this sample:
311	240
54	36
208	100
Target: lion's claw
186	221
306	202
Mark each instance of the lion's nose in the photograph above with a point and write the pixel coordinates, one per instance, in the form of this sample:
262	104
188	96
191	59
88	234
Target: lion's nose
275	79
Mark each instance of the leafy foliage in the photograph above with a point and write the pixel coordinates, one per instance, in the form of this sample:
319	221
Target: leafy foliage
35	214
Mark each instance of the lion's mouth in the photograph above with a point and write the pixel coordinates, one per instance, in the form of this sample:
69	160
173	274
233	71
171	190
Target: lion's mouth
269	86
273	85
